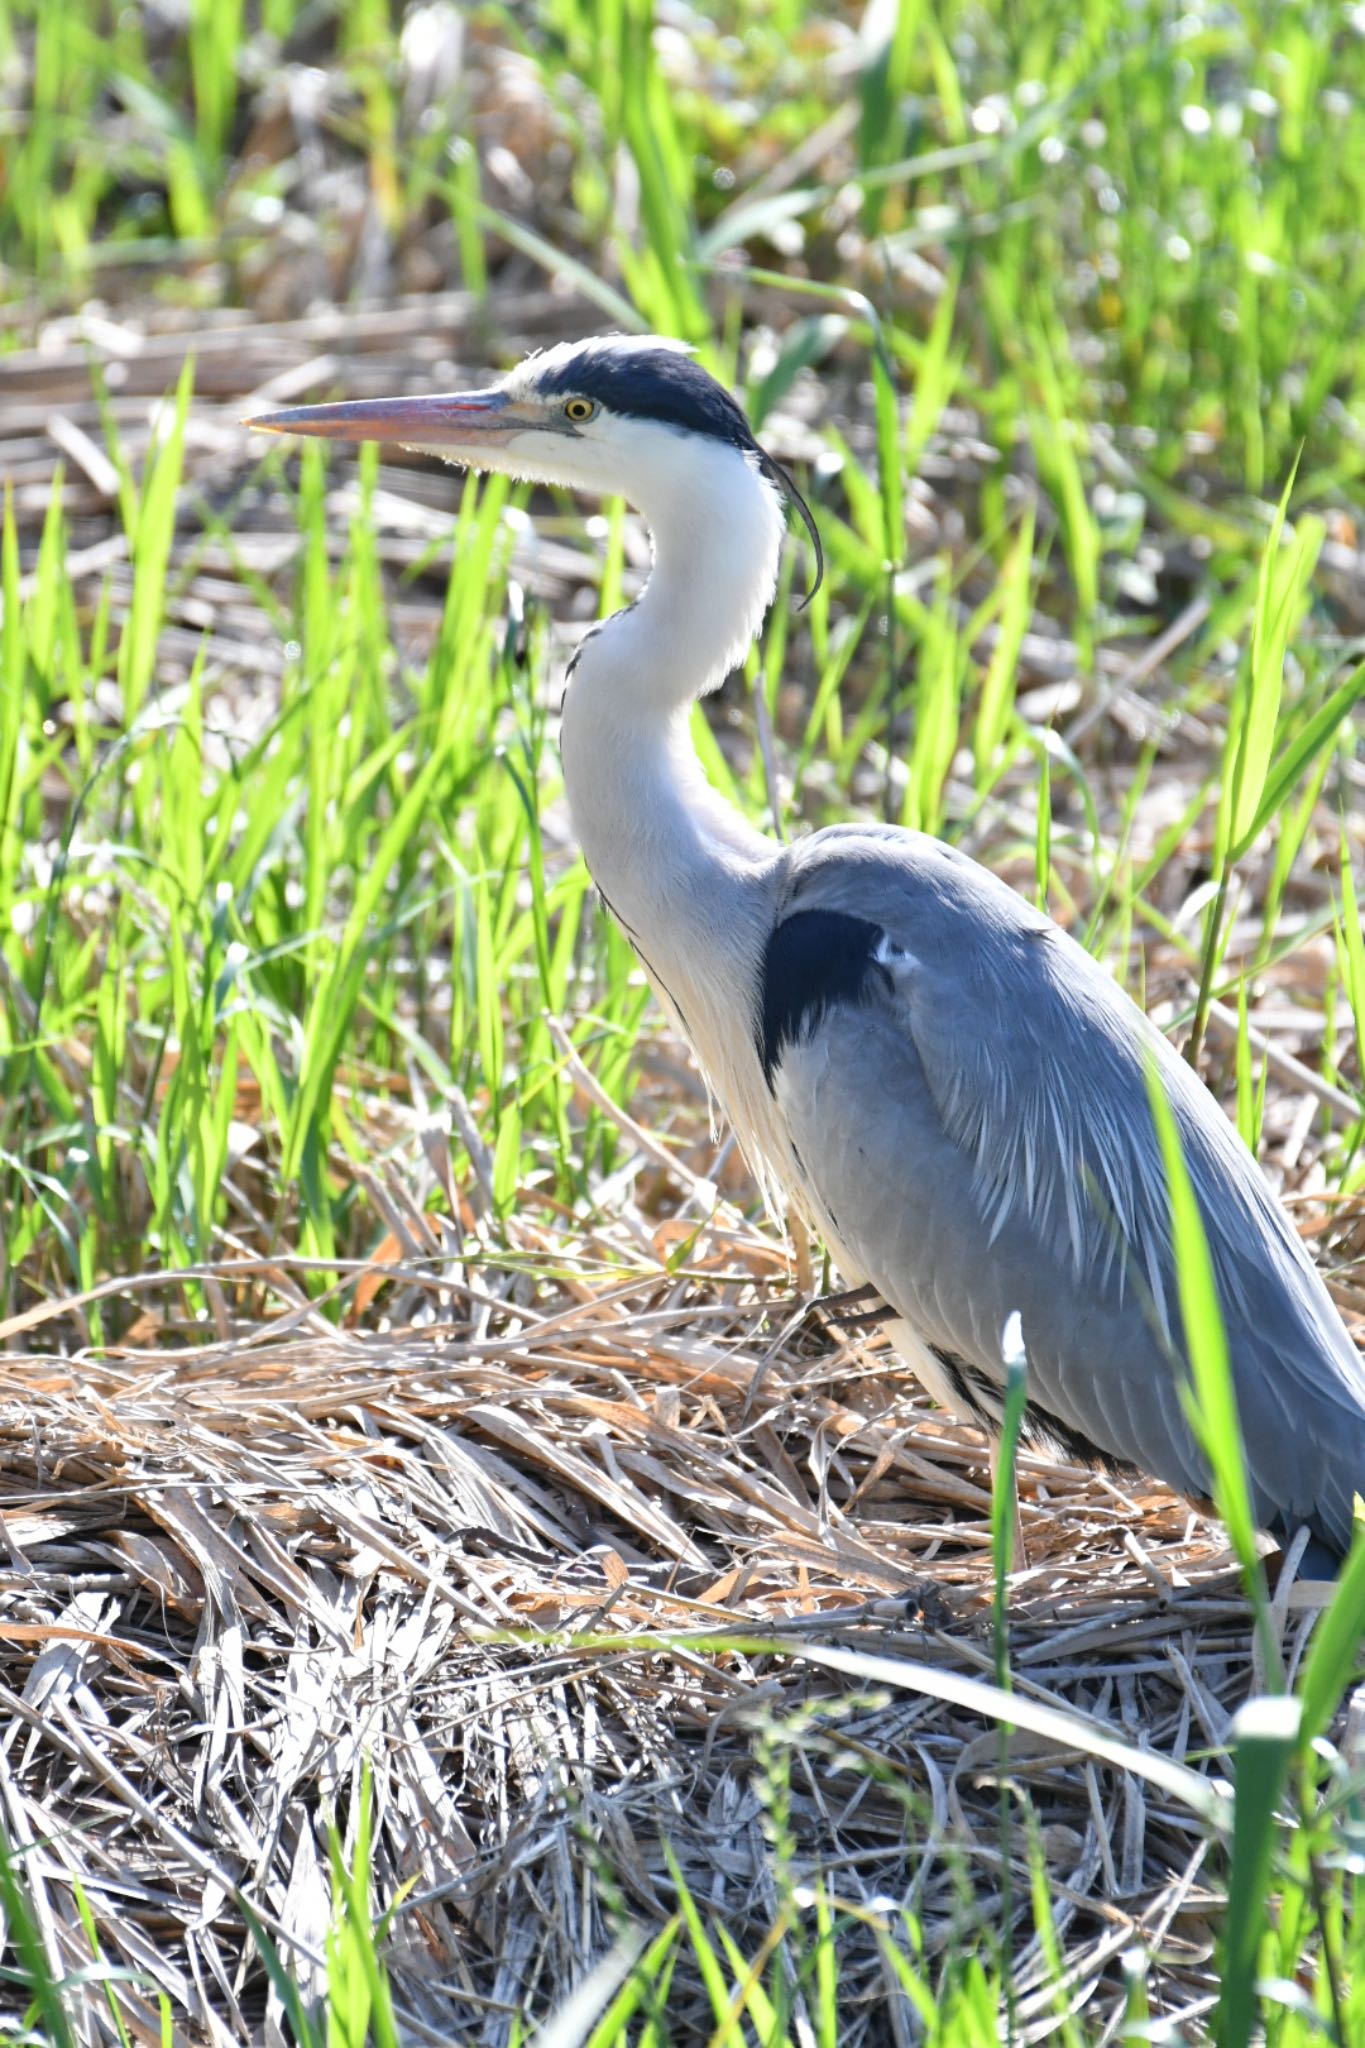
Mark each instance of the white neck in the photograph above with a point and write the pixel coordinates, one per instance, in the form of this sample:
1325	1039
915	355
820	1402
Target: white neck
689	879
649	824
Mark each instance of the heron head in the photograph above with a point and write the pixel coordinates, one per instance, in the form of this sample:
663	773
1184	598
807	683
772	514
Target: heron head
638	416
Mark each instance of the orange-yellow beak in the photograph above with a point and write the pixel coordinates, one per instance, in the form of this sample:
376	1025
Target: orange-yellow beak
448	420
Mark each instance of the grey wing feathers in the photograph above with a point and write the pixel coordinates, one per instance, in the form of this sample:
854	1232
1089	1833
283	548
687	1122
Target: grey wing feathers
984	1142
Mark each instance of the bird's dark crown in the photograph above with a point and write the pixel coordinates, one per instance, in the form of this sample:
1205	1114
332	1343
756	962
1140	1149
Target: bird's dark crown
637	380
650	384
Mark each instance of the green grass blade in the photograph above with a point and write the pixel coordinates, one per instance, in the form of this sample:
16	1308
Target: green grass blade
149	545
996	702
1282	779
40	1988
648	1973
708	1962
1265	1735
1281	590
1351	950
1209	1397
1335	1653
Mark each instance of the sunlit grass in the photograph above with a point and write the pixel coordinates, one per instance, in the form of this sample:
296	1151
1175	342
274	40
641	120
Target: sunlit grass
247	948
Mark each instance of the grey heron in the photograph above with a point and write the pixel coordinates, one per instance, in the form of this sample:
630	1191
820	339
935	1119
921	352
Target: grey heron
946	1084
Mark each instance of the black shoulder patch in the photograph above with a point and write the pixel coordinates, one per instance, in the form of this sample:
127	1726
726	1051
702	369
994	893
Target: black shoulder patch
652	384
814	958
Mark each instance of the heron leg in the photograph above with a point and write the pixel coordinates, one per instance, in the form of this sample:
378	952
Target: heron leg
858	1308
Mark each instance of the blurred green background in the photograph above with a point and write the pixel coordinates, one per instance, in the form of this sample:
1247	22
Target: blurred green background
1044	305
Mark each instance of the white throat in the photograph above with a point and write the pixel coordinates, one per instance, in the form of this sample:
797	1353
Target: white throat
642	809
716	527
690	880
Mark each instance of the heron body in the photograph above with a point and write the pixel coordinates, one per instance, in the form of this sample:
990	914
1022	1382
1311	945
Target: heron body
946	1084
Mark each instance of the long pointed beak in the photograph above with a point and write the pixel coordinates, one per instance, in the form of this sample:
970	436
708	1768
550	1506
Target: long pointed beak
447	419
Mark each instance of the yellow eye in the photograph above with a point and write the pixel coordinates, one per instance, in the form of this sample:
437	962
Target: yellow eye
579	409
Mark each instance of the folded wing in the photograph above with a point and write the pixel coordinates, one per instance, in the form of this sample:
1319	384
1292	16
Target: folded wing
965	1092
